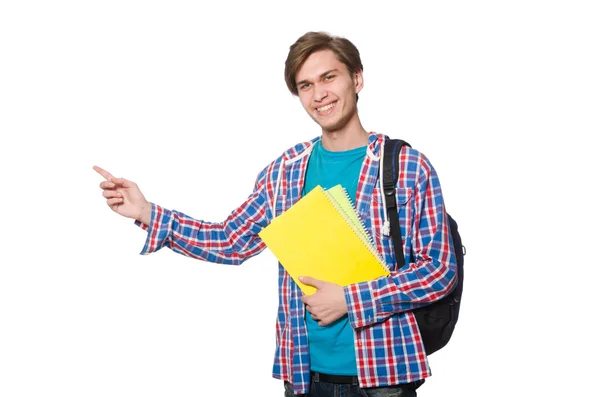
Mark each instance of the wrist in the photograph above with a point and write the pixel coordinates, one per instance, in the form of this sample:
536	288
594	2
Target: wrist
145	214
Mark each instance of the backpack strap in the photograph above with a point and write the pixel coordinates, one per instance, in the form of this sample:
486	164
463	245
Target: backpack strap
391	170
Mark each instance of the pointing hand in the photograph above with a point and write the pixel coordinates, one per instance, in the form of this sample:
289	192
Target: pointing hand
124	197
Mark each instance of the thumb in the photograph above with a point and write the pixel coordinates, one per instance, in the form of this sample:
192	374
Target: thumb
121	181
312	281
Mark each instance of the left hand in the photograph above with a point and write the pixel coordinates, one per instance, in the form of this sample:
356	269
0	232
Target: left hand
327	304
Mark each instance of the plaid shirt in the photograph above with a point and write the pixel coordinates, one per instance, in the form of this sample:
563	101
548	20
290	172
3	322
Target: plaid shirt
387	342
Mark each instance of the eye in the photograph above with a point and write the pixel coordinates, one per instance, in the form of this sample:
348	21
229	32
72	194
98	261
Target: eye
329	77
304	86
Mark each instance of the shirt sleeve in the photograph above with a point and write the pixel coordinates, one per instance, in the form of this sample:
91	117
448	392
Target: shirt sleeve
229	242
430	277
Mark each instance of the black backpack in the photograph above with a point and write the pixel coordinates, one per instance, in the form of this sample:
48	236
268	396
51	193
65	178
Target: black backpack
437	320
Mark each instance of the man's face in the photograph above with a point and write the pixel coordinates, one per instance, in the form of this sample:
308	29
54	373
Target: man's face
327	91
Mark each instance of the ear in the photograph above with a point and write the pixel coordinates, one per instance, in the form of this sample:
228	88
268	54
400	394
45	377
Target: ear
358	81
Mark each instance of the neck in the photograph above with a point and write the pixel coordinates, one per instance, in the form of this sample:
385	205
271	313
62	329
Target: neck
351	136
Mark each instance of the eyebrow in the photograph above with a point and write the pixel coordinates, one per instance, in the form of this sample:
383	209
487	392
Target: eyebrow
321	76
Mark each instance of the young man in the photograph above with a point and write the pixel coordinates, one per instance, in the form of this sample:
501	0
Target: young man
361	339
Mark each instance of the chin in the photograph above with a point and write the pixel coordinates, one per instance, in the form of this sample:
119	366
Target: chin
333	125
331	128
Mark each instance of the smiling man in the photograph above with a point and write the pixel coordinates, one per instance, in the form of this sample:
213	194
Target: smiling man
356	340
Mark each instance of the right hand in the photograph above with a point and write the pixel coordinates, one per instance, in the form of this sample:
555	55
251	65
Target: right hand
124	197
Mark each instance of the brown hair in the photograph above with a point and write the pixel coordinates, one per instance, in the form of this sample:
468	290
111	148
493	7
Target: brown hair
311	42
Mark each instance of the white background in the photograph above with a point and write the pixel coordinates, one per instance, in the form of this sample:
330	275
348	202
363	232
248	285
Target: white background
188	100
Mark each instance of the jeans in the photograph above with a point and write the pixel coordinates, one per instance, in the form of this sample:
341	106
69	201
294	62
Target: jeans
326	389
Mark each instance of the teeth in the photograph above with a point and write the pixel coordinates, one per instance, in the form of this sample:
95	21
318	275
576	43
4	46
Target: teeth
325	108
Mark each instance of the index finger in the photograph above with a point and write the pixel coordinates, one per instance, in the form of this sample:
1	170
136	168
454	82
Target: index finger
107	175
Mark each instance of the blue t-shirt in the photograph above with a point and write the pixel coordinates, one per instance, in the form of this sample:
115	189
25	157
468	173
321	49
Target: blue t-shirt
332	347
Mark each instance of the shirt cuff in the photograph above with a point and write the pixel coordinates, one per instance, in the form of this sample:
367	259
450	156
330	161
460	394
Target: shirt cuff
159	230
361	305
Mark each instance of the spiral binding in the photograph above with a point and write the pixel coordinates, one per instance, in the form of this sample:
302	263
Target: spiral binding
363	229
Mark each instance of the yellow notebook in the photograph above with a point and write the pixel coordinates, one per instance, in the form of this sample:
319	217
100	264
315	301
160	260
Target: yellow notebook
321	236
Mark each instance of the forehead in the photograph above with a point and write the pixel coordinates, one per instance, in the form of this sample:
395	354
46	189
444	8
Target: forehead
318	63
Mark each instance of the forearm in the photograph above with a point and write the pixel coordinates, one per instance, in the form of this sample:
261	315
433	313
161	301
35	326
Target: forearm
423	282
229	242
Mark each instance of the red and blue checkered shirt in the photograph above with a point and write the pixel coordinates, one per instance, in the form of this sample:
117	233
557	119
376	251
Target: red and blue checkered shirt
387	342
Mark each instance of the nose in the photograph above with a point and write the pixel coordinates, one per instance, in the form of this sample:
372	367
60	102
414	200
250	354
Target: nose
319	93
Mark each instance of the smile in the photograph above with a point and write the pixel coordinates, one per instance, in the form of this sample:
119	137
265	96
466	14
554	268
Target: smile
327	108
